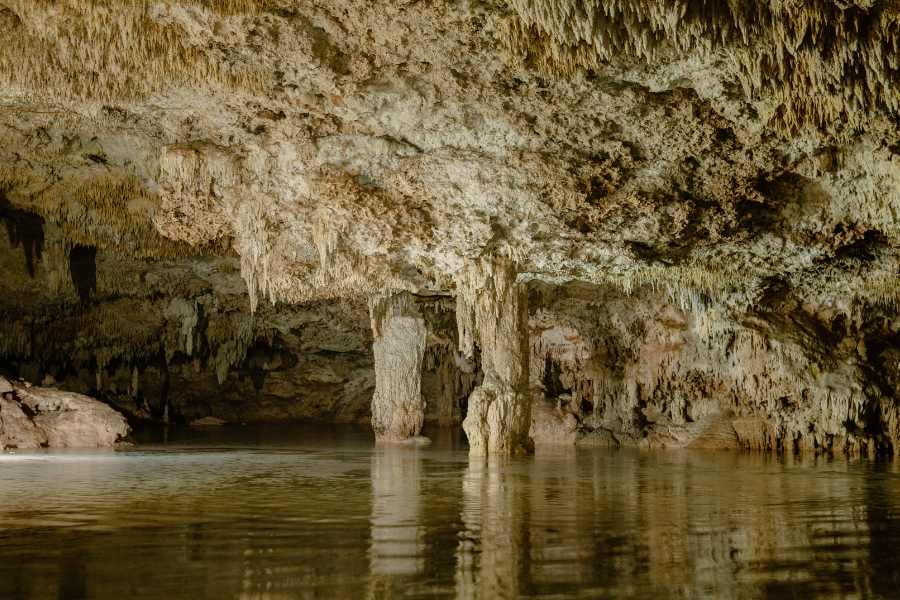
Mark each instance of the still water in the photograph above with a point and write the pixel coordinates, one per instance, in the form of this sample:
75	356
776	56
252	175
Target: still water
310	514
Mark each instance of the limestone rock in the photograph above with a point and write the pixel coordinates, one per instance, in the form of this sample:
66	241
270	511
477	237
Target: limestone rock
398	409
17	430
700	199
492	310
552	425
35	417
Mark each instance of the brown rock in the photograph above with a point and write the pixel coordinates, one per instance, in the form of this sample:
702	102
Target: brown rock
32	417
17	430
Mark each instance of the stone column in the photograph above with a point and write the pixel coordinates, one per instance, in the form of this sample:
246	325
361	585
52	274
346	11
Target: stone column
398	409
492	309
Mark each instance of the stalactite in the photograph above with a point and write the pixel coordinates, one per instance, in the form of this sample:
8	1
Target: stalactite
252	244
141	56
185	316
134	388
822	62
56	261
229	337
680	372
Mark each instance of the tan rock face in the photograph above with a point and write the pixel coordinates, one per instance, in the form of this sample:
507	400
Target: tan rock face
16	429
35	417
653	371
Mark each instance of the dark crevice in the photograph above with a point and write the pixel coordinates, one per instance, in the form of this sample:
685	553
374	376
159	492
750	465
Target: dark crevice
587	407
83	270
25	229
865	248
553	385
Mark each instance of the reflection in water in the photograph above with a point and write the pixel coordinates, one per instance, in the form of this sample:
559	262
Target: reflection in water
489	559
334	518
592	524
397	537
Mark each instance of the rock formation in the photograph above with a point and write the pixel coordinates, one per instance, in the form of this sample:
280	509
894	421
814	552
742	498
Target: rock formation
37	417
492	310
398	409
668	372
701	199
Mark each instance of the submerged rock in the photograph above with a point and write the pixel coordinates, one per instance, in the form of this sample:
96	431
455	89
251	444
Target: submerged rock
36	417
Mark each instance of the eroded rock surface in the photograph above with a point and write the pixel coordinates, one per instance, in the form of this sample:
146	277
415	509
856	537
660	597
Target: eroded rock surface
671	372
38	417
492	311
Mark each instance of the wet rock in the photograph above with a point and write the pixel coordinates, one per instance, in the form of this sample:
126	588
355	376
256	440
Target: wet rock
35	417
552	425
17	430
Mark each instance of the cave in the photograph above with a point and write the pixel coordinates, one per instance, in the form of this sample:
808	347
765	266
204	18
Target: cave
519	269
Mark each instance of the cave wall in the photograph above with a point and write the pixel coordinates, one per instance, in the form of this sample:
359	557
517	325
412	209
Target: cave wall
660	370
176	340
179	334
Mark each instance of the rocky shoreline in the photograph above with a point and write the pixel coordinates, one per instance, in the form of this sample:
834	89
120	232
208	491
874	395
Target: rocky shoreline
38	417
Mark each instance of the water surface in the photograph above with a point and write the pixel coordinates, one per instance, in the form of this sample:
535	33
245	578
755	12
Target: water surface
304	513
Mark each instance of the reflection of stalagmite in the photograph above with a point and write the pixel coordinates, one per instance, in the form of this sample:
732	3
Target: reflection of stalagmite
397	539
491	306
398	409
493	551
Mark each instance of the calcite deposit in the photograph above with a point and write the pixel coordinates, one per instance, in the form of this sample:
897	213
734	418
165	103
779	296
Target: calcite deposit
661	223
398	327
492	310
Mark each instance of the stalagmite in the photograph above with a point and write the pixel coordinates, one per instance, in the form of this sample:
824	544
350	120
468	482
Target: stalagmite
492	310
398	409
